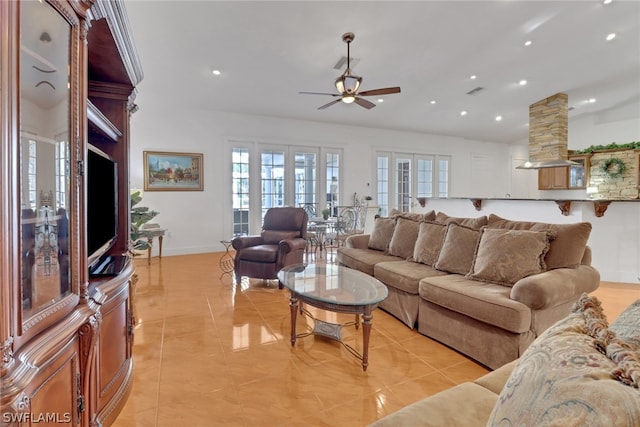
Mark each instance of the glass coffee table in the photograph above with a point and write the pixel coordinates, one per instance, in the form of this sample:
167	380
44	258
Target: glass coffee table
333	288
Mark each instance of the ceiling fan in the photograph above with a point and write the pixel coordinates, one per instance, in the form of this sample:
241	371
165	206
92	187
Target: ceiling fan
348	85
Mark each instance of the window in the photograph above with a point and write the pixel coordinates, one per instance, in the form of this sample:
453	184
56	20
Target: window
413	176
62	173
240	190
281	176
332	183
272	173
403	184
382	176
443	176
305	179
32	169
424	177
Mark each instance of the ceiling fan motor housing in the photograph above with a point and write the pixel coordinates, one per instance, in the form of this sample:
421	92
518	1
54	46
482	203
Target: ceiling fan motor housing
348	84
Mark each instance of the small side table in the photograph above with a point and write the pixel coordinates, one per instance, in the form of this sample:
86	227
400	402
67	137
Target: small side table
226	260
150	233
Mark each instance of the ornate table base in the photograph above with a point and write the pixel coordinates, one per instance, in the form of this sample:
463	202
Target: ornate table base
334	330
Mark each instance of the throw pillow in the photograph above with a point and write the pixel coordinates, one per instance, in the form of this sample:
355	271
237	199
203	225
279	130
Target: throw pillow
429	216
458	249
565	377
404	238
476	223
567	248
429	242
506	256
381	233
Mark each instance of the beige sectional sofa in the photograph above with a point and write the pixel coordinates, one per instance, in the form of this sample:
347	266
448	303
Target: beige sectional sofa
579	372
485	286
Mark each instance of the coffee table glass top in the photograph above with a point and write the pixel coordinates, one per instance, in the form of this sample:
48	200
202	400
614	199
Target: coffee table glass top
333	284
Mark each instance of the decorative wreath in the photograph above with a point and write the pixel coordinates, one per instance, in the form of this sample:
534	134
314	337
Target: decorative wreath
613	167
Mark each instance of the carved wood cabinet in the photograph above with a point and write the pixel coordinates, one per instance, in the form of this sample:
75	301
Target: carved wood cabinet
68	73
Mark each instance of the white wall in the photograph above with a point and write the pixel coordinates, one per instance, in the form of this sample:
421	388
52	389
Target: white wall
197	221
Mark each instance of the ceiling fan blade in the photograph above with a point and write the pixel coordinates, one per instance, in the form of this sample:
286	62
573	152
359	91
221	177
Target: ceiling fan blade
319	93
330	104
364	103
384	91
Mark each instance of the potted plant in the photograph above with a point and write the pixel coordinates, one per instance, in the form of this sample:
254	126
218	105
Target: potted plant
325	213
139	215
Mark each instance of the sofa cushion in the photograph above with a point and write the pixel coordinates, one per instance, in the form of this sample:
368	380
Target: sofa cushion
404	275
568	247
429	242
486	302
495	380
506	256
458	249
476	223
404	238
381	233
363	259
563	379
464	405
260	253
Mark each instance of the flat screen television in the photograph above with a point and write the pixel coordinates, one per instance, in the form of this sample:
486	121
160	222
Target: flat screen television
102	204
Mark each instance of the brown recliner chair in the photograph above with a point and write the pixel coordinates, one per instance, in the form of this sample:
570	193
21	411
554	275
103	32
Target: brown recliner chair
282	242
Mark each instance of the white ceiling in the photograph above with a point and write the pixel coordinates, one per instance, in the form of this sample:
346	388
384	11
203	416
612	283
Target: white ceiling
269	51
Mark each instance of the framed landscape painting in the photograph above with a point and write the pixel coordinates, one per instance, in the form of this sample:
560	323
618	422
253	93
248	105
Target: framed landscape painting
166	171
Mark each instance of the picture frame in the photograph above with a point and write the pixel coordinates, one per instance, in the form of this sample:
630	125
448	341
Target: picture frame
173	171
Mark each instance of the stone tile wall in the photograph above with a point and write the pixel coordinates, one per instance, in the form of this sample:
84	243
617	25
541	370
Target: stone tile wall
549	128
623	187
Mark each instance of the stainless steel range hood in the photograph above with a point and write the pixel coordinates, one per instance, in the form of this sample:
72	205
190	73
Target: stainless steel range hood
547	164
548	133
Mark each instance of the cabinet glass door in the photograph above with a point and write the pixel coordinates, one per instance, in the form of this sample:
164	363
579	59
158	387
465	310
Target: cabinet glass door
44	156
578	174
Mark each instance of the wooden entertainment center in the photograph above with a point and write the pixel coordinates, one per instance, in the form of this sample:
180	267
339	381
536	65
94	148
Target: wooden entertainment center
68	77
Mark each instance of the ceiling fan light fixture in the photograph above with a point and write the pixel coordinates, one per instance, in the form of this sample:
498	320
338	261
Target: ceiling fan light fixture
348	84
348	99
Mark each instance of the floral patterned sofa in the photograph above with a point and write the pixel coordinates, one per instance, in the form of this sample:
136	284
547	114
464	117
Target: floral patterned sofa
579	372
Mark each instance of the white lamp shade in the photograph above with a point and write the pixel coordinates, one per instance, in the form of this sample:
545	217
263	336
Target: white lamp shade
348	84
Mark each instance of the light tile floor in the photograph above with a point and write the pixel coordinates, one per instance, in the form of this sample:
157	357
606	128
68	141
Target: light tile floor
210	353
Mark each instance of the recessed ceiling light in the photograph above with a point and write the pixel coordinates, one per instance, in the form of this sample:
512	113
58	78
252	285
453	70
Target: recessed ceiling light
498	118
380	100
591	100
527	43
611	36
473	77
216	72
463	113
433	102
523	82
606	1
